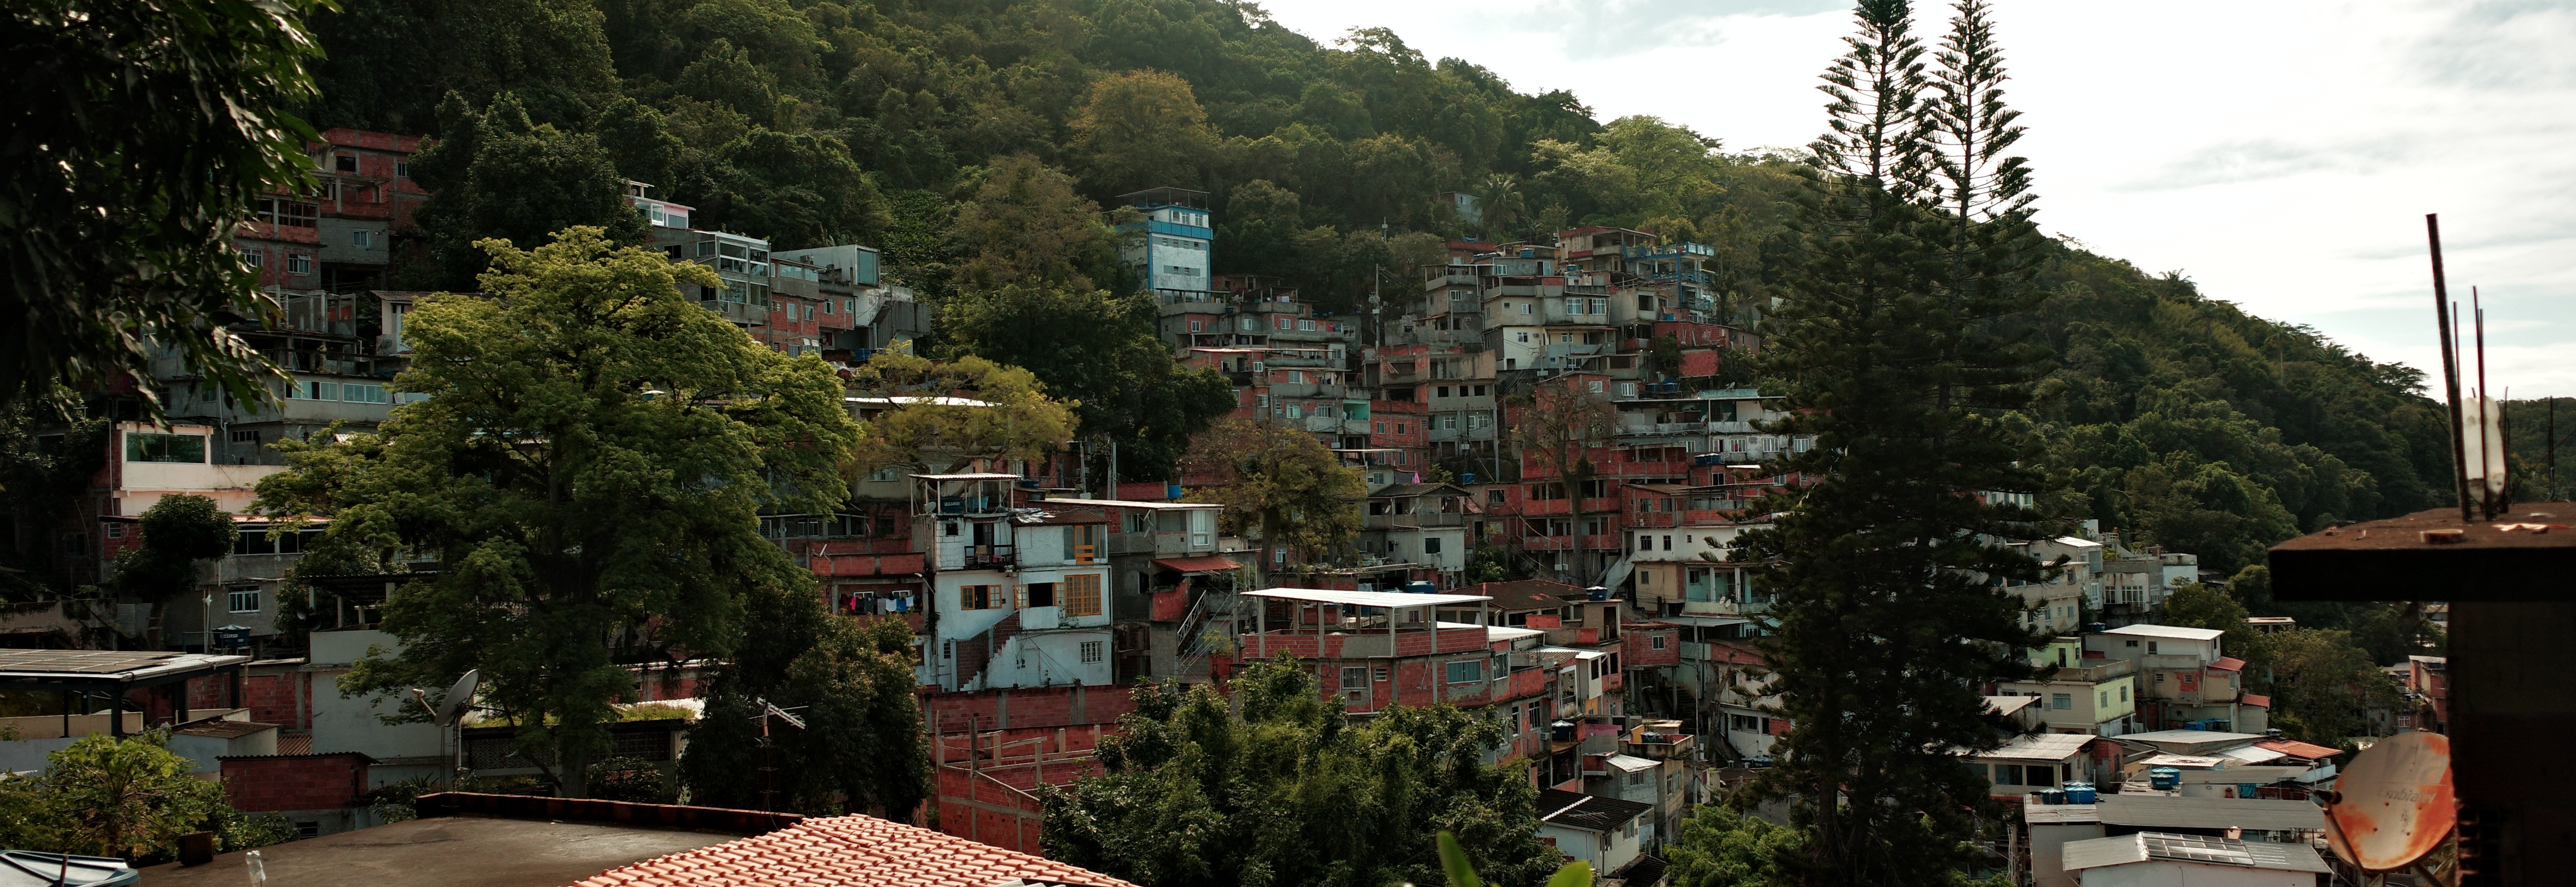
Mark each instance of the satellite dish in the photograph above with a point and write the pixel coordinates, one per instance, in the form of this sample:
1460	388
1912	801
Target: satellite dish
452	706
2394	805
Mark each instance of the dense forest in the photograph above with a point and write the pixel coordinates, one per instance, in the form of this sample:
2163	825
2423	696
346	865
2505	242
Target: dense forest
976	141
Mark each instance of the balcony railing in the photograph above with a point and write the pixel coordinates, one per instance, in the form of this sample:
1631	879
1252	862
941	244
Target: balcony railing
991	557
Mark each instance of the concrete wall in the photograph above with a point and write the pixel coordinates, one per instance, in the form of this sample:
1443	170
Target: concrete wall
2160	873
350	724
2048	852
207	750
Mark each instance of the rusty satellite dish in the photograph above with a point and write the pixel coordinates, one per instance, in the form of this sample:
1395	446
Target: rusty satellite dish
2393	806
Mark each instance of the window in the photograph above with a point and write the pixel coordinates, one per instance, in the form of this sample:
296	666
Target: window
2124	694
1093	651
242	600
2007	774
979	597
1466	671
2040	775
402	169
1431	545
179	448
299	263
2151	648
356	392
1657	641
255	258
362	238
2106	699
116	531
290	213
1082	595
1040	594
2061	701
1195	324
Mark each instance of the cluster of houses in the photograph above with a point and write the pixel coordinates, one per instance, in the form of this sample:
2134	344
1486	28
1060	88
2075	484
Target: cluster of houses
1624	672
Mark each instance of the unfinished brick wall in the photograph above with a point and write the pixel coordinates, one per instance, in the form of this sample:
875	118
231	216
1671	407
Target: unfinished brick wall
278	698
295	782
1040	707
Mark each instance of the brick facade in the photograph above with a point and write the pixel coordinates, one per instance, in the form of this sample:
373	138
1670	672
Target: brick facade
296	782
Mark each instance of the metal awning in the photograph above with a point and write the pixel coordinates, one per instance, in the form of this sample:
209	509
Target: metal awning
114	672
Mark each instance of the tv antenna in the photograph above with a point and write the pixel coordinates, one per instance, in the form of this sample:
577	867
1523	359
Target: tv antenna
2393	807
769	750
451	709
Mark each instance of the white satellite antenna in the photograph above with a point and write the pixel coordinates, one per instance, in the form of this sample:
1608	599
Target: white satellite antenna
452	707
2394	806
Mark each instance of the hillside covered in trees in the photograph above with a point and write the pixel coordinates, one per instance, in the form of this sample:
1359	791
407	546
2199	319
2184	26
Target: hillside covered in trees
977	141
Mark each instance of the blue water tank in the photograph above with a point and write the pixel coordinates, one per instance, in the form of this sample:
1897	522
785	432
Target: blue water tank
1467	478
1596	593
1422	587
2050	796
2079	793
1172	491
2162	778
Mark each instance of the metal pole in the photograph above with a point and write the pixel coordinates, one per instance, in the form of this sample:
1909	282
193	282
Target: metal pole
2442	313
2488	502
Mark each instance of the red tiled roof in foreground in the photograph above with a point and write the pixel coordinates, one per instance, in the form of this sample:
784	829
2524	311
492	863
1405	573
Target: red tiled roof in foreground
847	850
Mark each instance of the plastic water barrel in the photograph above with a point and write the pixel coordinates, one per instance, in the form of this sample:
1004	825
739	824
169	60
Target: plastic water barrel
2050	796
2079	793
2161	778
1467	478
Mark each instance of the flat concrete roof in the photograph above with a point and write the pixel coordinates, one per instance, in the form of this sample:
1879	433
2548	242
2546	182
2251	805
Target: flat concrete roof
1367	598
447	851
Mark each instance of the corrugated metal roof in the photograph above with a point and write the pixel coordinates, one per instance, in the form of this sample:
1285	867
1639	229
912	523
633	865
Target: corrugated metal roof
2143	846
2043	747
2167	631
1588	812
2060	814
2297	749
1630	762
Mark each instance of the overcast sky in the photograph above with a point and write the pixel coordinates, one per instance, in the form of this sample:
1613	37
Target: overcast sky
2282	154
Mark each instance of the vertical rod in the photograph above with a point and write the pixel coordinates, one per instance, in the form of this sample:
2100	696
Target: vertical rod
2442	313
2553	449
2488	501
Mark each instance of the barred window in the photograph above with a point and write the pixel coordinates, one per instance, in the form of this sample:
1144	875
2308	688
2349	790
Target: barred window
1092	651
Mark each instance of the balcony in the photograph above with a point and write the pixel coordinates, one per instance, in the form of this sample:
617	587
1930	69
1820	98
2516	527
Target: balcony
1416	519
991	557
2094	674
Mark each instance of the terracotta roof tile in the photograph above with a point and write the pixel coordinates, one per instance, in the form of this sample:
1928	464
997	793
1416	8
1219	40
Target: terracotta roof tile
849	850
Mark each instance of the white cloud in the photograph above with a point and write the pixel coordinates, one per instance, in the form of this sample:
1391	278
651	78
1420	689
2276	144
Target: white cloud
2282	155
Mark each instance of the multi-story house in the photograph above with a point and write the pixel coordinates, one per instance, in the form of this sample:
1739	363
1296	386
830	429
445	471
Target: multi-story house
1169	248
339	236
1377	649
860	313
1423	525
1018	596
1167	583
2095	695
2183	678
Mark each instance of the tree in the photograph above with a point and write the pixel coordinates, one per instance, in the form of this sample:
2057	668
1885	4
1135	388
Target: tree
178	531
496	173
143	135
588	468
2200	606
2324	686
128	797
41	475
1027	225
1719	847
1561	424
1278	487
1277	787
1886	564
945	413
1139	130
861	749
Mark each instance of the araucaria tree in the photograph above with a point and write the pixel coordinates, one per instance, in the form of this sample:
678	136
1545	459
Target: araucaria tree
587	472
1901	346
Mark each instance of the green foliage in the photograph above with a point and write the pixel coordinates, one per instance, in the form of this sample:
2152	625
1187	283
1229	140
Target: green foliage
142	134
1278	485
1276	787
48	453
1139	130
1462	872
589	469
925	428
497	173
1722	847
128	797
178	531
861	750
631	779
2324	686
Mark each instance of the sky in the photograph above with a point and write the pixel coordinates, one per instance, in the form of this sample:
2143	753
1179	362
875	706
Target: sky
2280	154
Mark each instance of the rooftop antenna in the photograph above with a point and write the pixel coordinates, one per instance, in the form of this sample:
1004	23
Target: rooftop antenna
2394	806
451	709
769	750
2443	315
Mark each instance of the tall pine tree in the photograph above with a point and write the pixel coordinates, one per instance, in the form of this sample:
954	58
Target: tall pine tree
1901	362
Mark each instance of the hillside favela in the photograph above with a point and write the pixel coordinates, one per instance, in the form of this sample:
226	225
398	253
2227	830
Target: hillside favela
1200	443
